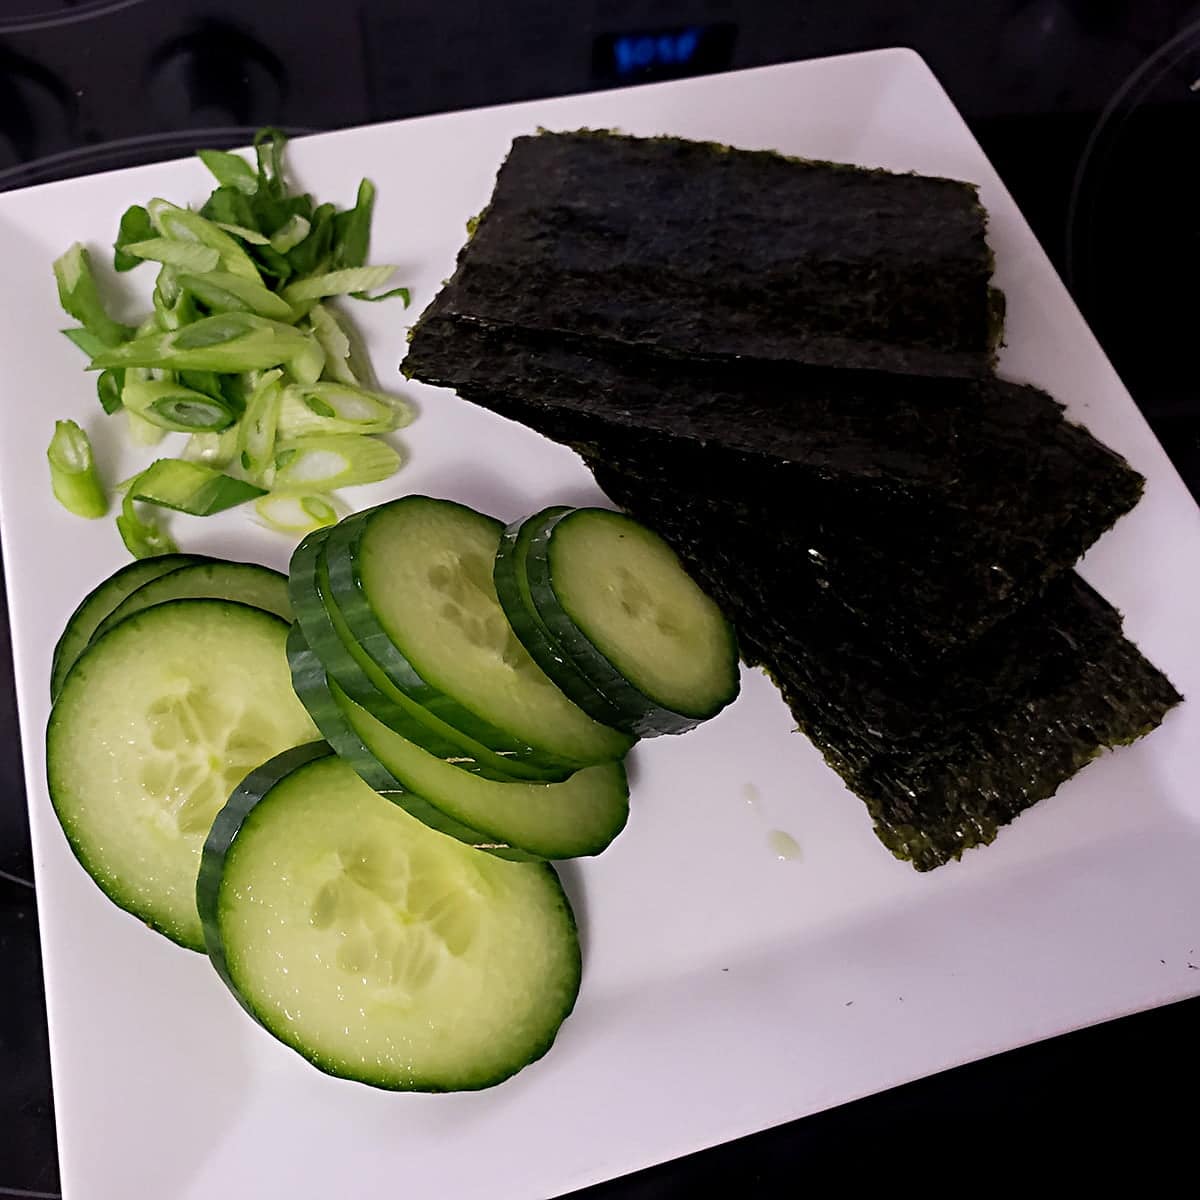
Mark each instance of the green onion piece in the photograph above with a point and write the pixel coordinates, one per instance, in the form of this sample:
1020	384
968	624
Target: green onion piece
228	342
311	256
213	449
327	408
268	149
352	229
191	487
135	227
258	428
89	343
186	256
308	366
226	292
290	234
175	407
337	283
323	464
403	292
109	385
230	170
296	515
143	539
182	225
246	234
141	431
80	297
73	473
334	341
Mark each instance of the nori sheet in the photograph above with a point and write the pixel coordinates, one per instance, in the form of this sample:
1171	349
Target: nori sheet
701	249
941	758
930	508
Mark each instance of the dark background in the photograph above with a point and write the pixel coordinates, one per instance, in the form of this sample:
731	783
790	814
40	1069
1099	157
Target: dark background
1089	112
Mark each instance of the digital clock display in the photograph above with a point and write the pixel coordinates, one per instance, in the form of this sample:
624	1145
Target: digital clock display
643	55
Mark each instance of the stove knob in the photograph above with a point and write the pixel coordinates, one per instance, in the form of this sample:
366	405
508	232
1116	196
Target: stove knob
216	76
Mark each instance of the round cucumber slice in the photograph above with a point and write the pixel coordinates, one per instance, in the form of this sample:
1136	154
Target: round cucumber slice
512	590
157	722
344	660
616	599
247	583
376	948
413	579
313	688
99	602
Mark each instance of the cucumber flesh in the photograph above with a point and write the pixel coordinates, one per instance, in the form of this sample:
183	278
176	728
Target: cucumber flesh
246	583
577	817
413	579
158	720
344	660
512	590
99	602
313	688
620	605
378	949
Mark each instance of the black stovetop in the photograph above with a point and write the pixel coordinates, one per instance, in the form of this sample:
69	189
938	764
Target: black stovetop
1086	108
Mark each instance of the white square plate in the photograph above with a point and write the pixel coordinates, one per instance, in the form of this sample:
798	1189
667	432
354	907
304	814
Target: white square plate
725	990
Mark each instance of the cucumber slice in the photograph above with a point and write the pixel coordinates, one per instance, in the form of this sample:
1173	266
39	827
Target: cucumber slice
413	579
247	583
99	602
377	949
313	688
616	599
326	632
578	817
153	727
512	590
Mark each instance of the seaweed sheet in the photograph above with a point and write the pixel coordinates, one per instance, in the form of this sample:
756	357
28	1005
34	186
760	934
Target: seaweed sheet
941	758
930	508
701	249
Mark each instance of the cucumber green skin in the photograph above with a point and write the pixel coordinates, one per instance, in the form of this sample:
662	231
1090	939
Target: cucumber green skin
508	574
341	557
311	604
245	583
309	682
224	829
108	888
253	790
100	601
645	716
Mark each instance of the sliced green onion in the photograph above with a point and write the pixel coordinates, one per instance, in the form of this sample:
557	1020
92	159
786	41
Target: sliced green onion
88	342
143	539
191	487
186	256
268	150
402	292
246	234
175	407
308	366
226	292
173	307
230	170
327	408
80	297
311	256
352	229
324	464
109	385
296	515
258	428
337	283
294	230
334	341
135	227
228	342
73	473
141	431
182	225
213	449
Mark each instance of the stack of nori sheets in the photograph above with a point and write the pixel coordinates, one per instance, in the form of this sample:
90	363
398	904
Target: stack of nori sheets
781	367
